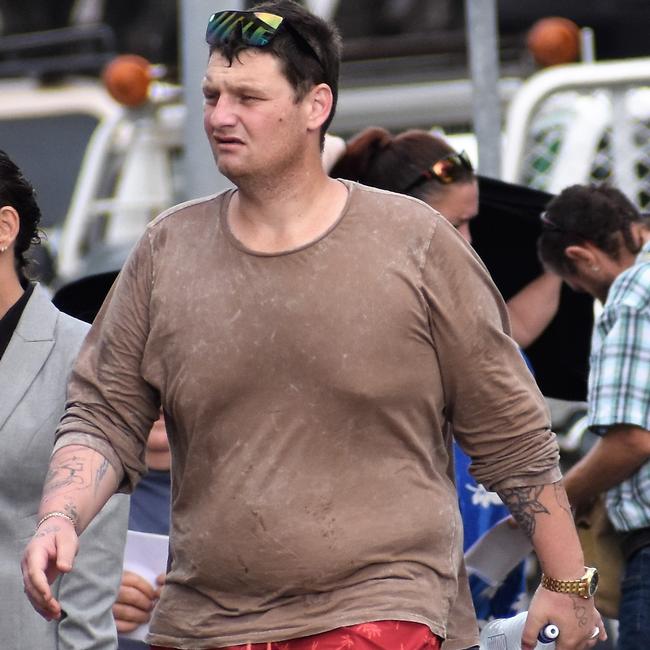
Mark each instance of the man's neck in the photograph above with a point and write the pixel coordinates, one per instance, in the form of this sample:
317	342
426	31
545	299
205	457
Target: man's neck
614	266
628	258
282	216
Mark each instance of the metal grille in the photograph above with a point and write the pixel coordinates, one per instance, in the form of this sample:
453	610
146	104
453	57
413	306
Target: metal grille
542	150
552	143
601	166
641	139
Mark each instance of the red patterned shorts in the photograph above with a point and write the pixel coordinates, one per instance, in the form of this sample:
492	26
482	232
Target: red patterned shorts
380	635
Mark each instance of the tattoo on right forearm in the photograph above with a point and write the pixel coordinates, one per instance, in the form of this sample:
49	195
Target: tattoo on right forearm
63	473
524	505
101	472
70	509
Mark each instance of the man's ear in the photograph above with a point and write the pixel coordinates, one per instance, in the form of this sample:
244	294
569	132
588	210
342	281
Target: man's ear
9	225
577	254
319	106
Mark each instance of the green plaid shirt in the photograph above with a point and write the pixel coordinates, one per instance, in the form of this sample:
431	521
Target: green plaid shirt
619	381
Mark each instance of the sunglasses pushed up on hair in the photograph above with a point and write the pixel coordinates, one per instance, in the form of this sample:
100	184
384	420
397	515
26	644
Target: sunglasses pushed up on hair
252	28
445	170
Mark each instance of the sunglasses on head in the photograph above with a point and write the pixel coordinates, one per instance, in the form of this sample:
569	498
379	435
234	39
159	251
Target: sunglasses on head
252	28
549	225
445	170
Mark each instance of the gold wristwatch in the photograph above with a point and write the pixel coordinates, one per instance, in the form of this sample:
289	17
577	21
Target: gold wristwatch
584	587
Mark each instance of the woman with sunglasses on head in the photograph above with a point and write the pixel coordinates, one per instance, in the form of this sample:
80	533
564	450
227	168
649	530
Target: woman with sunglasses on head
416	163
38	345
424	166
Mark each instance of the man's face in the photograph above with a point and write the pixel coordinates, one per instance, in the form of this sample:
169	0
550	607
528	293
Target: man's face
254	124
594	270
588	281
592	275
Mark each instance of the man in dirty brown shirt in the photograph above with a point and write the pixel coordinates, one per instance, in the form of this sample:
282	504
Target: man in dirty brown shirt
311	341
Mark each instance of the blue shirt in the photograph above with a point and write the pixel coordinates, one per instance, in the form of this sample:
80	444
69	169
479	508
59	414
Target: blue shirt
150	503
480	511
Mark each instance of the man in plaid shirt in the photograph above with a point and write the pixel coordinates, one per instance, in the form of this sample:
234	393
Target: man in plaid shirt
596	240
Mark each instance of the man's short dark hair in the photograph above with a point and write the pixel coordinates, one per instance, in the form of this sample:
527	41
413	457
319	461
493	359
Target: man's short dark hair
600	214
299	65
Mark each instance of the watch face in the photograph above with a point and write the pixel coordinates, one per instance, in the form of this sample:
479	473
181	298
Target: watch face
593	583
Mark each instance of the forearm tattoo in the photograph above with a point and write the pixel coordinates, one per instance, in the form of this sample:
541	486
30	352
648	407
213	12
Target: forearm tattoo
70	509
72	472
66	472
101	472
562	498
524	505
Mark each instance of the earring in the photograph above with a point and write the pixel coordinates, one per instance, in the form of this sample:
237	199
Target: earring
3	248
595	269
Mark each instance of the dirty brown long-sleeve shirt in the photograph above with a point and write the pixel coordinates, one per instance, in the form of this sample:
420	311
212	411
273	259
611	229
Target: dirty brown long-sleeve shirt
306	396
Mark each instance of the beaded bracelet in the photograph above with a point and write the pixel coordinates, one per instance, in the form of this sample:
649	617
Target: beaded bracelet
56	513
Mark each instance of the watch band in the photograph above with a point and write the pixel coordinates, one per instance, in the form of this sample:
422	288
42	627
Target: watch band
584	587
563	586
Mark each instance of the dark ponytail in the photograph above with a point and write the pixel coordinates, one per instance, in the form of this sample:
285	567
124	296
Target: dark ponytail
17	192
358	160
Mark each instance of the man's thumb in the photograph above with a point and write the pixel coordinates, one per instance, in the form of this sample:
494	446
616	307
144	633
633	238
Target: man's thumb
66	549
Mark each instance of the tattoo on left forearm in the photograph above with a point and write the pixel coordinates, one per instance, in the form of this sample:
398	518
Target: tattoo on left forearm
562	498
524	505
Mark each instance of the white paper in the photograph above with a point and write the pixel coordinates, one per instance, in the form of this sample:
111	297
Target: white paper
146	555
497	552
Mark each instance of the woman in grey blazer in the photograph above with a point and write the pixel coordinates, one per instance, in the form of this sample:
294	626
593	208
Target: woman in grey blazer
38	345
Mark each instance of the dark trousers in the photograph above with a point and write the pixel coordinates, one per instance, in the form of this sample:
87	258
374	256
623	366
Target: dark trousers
634	616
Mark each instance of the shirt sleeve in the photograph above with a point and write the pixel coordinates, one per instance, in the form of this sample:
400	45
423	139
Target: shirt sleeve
497	413
110	405
619	378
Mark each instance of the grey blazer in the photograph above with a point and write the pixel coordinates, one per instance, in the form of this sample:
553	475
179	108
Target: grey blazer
33	376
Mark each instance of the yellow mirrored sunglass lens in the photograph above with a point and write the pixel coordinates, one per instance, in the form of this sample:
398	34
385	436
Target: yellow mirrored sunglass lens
256	28
443	170
271	20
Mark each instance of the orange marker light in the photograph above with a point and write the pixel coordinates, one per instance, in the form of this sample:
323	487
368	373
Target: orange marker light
554	40
127	79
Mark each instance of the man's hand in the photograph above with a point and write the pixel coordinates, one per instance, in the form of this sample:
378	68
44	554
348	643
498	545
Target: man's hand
50	552
135	601
575	617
